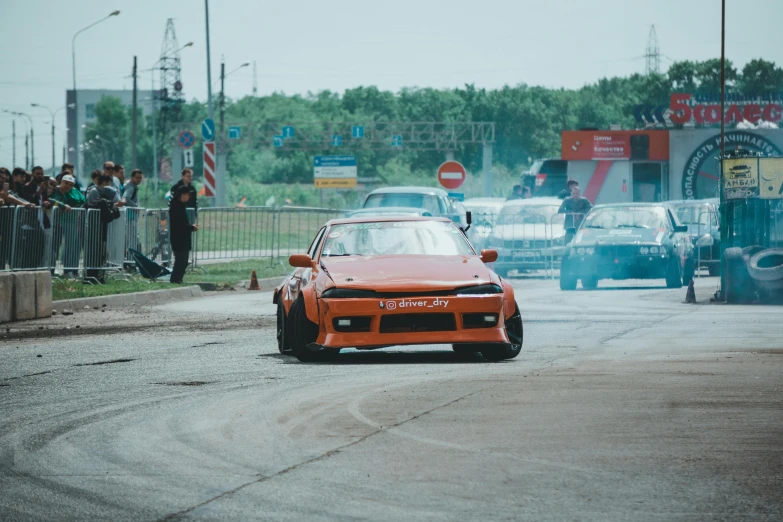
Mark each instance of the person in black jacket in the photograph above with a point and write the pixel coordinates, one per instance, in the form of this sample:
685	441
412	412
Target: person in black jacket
187	181
180	232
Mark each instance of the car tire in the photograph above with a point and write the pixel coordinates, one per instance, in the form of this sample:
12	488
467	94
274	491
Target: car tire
567	280
590	283
674	273
283	344
303	332
688	271
515	332
766	265
739	285
751	251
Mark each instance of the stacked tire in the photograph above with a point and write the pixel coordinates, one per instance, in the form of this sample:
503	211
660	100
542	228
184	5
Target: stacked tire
765	267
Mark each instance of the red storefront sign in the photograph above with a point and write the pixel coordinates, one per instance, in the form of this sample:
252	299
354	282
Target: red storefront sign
685	109
611	146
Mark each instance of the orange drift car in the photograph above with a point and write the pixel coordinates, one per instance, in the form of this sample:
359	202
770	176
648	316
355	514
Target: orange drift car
373	282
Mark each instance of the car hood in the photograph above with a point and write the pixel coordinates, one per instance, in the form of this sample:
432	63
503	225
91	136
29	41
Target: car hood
619	236
529	231
407	273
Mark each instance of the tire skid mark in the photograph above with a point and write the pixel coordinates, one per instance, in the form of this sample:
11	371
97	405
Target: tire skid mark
394	429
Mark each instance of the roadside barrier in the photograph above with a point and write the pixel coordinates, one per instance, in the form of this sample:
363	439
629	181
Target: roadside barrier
77	243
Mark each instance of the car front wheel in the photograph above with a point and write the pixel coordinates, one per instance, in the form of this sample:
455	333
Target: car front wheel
283	346
514	331
302	333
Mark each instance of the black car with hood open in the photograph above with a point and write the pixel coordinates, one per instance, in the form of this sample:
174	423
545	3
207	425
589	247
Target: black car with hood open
629	241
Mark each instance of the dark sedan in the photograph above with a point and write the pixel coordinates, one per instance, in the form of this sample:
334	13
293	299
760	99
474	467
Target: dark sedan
629	241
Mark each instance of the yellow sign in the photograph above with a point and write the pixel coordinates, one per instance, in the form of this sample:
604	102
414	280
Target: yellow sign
335	183
771	178
741	178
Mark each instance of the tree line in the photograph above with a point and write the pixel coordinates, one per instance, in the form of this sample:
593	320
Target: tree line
528	121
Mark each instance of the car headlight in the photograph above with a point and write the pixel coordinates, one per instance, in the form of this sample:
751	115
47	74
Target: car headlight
644	250
653	250
347	293
590	251
704	241
580	251
479	290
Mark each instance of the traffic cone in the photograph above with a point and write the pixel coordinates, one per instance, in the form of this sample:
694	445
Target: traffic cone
690	295
254	282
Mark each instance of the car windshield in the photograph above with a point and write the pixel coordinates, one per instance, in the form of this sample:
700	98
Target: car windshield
404	199
696	215
626	217
524	214
425	238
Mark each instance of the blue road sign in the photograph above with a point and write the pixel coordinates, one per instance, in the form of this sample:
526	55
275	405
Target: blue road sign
208	129
458	196
337	140
186	139
334	161
288	131
397	141
278	141
234	132
357	132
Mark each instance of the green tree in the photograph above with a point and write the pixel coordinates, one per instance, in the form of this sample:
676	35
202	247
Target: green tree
760	77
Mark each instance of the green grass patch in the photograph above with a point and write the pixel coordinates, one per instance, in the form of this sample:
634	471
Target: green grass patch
232	272
221	274
75	289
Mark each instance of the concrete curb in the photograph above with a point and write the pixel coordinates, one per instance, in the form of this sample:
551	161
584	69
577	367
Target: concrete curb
134	298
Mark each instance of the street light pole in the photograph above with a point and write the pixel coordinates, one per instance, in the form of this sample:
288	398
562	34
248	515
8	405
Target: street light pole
76	103
51	115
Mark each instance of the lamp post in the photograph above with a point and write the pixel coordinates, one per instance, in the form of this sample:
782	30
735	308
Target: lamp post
75	102
52	114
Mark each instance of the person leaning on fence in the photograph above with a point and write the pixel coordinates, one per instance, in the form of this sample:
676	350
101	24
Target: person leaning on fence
181	230
104	198
65	198
187	181
130	194
575	207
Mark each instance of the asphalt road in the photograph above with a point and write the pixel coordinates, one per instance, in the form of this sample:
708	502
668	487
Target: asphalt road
625	404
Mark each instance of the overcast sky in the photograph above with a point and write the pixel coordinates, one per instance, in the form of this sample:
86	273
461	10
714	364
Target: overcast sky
311	45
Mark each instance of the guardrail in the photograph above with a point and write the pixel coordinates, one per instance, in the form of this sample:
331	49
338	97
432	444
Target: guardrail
525	241
77	243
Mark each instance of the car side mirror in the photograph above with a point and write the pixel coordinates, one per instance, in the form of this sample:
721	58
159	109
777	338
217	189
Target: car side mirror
489	256
681	228
468	220
300	261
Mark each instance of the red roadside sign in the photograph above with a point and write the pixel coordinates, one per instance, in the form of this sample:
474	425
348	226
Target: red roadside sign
451	175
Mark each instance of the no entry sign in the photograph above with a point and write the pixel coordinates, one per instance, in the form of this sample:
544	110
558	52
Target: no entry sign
451	175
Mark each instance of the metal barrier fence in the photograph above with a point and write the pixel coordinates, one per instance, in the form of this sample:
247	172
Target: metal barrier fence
706	245
534	240
77	242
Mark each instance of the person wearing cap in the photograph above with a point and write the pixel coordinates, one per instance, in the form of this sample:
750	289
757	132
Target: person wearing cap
181	229
65	198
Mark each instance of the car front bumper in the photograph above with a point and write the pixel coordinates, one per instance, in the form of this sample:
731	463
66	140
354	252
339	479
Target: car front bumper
626	267
509	259
418	320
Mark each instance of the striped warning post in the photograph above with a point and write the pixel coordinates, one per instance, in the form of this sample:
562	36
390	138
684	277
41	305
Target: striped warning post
209	169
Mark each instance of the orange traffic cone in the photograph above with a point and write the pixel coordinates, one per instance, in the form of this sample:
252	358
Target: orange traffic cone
254	282
690	295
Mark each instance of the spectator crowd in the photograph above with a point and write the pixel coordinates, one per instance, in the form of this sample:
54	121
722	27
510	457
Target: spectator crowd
33	238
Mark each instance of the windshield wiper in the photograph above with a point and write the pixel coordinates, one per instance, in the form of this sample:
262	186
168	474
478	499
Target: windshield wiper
594	226
340	255
632	226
